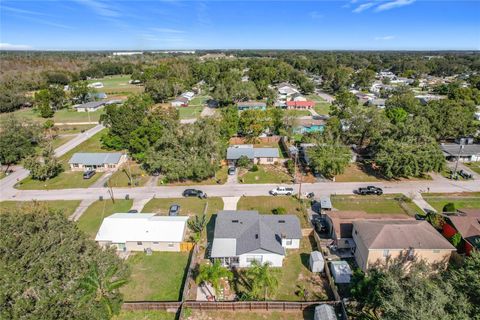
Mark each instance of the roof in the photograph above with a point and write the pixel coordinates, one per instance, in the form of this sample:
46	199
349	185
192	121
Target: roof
453	149
310	122
342	221
468	226
181	99
124	227
234	152
325	203
92	104
325	312
400	234
316	256
300	103
96	159
239	232
252	104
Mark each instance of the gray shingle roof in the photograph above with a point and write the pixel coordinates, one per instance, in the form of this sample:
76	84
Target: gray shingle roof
452	149
235	152
253	231
96	159
93	104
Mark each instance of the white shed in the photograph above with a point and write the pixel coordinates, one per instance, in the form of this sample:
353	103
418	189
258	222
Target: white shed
317	264
324	312
341	271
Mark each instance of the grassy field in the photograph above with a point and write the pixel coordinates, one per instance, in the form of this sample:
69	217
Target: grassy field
78	128
67	206
266	204
220	178
117	84
474	166
92	218
371	204
157	277
251	315
63	115
145	315
188	206
190	112
357	172
265	174
465	200
199	100
298	113
120	177
321	106
91	145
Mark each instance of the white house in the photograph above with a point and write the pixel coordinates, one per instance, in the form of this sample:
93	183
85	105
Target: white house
189	95
96	85
142	232
286	90
242	237
101	161
89	106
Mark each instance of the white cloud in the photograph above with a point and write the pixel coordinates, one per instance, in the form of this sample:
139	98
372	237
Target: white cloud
9	46
384	38
316	15
393	4
100	8
16	10
363	7
167	30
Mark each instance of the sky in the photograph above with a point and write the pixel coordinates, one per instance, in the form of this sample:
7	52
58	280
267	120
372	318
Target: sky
281	24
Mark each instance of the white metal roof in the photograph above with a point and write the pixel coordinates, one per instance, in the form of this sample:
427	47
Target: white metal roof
124	227
224	248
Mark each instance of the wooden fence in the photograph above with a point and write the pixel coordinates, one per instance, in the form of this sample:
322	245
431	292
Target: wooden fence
254	305
241	140
172	306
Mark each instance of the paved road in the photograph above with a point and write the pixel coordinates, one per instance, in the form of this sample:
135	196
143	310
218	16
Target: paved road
327	97
75	123
82	137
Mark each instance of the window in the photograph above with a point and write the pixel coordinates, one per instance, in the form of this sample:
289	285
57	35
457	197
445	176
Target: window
170	245
288	242
386	253
269	159
75	165
139	243
251	259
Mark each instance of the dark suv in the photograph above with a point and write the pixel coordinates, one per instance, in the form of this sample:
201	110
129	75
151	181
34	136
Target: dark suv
194	193
370	190
88	174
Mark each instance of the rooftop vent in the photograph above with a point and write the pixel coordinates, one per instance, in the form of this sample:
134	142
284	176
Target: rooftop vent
281	221
235	221
256	236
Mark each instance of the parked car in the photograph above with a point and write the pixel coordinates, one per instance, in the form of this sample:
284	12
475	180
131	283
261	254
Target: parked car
370	190
88	174
133	211
194	193
231	171
174	210
420	216
282	191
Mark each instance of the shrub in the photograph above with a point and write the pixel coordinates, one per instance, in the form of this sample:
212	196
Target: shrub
449	207
279	211
290	164
254	168
243	162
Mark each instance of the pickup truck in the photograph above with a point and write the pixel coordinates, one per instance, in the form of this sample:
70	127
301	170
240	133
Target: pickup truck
282	191
370	190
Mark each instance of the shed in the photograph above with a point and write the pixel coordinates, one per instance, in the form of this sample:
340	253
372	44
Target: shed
317	264
324	312
341	271
326	203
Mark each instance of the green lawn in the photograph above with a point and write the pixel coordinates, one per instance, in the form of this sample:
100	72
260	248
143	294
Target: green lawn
145	315
63	115
466	200
117	84
474	166
371	204
199	100
220	178
265	174
61	140
120	177
92	218
67	206
91	145
266	204
78	128
298	113
190	112
357	172
321	106
157	277
188	206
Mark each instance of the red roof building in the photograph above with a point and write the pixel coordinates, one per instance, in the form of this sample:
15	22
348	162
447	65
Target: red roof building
300	104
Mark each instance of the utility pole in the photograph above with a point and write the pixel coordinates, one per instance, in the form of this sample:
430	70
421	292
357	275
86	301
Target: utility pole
456	163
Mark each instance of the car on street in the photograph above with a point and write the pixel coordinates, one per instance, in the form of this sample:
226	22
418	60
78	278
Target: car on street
231	171
281	191
194	193
88	174
174	210
370	190
132	211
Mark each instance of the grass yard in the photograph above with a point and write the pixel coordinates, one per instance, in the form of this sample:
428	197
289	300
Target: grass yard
250	315
266	204
120	177
61	140
265	174
474	166
25	113
91	145
357	172
117	84
190	112
157	277
92	218
64	180
465	200
220	177
145	315
321	106
199	101
298	113
67	206
63	115
188	206
384	204
71	129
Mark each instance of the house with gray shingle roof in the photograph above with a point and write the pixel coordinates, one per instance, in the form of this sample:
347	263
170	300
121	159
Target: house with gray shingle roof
257	155
101	161
242	237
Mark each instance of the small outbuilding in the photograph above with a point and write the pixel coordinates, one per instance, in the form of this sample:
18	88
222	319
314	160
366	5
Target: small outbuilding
341	271
317	263
326	203
324	312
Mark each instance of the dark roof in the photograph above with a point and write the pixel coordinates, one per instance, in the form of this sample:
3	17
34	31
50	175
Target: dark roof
92	104
453	149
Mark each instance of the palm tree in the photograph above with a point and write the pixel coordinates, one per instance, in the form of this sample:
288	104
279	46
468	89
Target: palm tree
102	289
262	279
213	273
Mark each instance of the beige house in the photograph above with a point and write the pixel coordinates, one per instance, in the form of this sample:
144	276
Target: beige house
142	232
257	155
97	161
380	241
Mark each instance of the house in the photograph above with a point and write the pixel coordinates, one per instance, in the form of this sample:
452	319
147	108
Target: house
180	102
257	155
300	105
297	97
242	237
189	95
89	106
251	105
339	225
286	90
142	232
426	98
464	152
97	161
96	85
467	224
379	241
379	103
308	125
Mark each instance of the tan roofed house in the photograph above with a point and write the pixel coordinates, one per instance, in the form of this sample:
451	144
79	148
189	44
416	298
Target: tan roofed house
380	241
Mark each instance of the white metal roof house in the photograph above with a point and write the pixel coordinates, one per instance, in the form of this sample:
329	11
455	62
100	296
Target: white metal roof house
102	161
189	95
258	155
89	106
242	237
142	232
